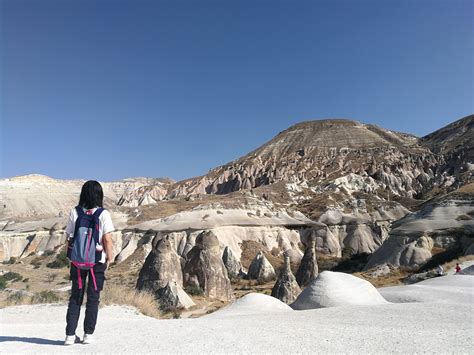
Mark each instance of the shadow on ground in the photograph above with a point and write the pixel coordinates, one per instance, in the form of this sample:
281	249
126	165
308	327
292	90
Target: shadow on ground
40	341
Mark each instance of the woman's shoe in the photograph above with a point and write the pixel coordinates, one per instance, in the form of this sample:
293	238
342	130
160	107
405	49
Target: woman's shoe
88	338
71	340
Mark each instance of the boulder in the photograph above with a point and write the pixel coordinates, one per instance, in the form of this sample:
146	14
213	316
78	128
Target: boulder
161	267
231	263
308	268
260	269
286	288
205	269
172	296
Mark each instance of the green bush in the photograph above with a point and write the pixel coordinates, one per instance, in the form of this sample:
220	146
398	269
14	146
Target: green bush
12	260
12	276
45	297
60	261
3	283
194	290
48	253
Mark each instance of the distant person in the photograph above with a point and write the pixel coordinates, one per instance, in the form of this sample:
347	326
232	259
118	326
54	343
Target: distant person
90	250
440	270
458	268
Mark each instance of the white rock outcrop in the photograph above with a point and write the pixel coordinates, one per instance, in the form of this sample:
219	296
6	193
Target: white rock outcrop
252	303
336	289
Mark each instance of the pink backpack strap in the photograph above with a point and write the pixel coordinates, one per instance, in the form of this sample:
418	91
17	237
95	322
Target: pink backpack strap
93	279
79	278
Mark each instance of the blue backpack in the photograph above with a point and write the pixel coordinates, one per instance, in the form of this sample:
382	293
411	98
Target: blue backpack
84	249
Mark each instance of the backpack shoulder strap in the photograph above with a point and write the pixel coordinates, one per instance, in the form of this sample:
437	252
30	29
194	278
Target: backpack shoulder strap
96	216
80	213
98	212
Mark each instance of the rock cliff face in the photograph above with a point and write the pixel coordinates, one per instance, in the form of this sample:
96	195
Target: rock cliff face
35	196
442	224
455	143
204	268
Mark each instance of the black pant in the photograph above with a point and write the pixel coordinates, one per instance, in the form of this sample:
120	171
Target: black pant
77	296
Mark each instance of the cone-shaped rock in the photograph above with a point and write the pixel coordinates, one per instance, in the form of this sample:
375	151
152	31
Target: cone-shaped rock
260	269
205	269
308	268
162	266
231	263
172	296
286	288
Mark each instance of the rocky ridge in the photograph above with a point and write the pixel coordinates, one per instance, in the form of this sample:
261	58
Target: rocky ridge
339	182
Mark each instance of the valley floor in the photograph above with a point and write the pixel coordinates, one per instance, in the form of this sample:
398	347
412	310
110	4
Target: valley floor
428	325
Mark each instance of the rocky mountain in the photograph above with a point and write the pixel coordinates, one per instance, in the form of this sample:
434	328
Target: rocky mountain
345	185
316	152
455	143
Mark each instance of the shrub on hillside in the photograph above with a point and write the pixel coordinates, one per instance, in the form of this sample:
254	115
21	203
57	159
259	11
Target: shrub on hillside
12	276
17	298
12	260
194	290
46	296
60	261
48	253
36	262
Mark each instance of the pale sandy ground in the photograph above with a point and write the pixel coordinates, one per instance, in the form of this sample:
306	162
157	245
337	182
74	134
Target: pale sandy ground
428	325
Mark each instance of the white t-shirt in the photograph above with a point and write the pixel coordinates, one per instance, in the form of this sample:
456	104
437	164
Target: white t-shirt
105	226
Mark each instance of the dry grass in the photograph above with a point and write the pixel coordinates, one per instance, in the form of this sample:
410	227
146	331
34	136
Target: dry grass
243	287
452	263
119	295
468	188
251	248
22	298
393	279
144	302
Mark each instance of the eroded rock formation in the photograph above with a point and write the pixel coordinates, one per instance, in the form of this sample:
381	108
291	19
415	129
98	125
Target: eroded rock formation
205	269
286	288
172	297
260	269
162	266
308	268
232	265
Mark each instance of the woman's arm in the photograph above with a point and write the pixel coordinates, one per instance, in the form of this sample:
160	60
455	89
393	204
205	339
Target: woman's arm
109	247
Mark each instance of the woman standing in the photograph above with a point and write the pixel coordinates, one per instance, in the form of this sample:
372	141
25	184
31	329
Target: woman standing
90	250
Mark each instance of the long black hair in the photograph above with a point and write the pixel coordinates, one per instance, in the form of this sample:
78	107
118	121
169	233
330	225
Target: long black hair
92	195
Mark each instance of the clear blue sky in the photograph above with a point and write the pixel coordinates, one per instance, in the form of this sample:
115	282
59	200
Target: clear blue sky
112	89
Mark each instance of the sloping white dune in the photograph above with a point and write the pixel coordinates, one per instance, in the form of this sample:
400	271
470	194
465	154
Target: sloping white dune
253	303
259	324
445	289
335	289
